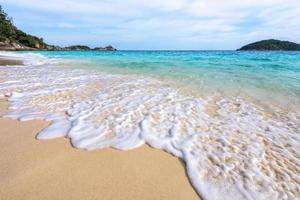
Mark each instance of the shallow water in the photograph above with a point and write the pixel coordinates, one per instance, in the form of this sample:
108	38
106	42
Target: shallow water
233	117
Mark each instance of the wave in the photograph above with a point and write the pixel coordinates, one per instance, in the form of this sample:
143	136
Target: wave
233	148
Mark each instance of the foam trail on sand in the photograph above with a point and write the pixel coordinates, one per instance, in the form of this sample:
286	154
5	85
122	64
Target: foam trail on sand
239	152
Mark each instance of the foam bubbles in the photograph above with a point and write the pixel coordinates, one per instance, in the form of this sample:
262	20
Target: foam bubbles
232	147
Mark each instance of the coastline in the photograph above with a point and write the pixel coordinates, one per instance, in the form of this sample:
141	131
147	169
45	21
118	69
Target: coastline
104	112
52	169
169	122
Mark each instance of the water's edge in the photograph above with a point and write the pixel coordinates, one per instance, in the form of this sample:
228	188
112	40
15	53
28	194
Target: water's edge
233	148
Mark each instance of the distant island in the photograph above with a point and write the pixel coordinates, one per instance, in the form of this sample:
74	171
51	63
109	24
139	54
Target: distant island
87	48
271	45
11	38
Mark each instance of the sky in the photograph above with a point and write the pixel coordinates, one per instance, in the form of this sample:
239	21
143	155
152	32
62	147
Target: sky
157	24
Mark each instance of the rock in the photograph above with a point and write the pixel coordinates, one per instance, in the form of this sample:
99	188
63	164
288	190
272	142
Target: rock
37	45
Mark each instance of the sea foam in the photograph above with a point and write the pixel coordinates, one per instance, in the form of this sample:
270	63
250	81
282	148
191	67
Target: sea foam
236	150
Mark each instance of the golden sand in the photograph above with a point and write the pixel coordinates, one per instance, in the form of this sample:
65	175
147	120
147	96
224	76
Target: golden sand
33	169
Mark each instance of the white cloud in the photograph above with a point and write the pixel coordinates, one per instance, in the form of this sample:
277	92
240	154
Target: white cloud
172	23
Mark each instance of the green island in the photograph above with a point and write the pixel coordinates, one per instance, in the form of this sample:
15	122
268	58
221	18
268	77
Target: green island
271	45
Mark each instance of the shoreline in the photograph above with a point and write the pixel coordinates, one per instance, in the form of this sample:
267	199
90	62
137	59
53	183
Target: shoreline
53	169
220	139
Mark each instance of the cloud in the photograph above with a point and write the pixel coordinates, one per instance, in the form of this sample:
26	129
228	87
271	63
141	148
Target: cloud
156	24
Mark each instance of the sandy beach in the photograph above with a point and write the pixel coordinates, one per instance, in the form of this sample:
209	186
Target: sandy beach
52	169
158	100
234	147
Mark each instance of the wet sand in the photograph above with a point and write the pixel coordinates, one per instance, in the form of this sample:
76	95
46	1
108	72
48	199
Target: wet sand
10	61
52	169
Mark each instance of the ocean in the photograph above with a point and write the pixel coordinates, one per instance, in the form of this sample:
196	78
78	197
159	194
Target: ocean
233	117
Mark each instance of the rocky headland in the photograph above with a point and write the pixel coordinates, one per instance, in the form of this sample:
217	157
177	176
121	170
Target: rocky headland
14	39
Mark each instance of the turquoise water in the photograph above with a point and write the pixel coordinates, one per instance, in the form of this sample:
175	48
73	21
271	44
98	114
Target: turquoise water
264	76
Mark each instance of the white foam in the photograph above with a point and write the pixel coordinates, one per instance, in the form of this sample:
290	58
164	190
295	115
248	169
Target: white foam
239	152
32	59
58	128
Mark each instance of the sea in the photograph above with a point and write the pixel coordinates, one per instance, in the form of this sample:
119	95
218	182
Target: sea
233	117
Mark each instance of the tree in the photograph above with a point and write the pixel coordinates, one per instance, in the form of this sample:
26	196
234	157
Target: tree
11	34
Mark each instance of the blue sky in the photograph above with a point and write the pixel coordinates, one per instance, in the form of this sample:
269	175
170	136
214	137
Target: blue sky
157	24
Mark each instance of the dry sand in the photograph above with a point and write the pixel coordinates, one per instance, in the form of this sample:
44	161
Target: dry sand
33	169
